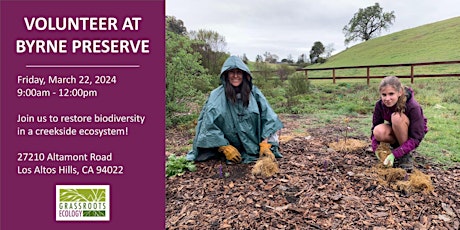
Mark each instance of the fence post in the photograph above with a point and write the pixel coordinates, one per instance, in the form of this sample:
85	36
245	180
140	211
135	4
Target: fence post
368	76
412	74
333	76
306	74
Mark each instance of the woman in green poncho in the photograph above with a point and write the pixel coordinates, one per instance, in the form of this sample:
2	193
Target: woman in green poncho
237	121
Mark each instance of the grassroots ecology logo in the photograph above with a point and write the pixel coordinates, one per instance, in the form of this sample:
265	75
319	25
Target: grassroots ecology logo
82	202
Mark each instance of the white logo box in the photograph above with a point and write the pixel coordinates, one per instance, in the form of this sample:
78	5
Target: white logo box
93	200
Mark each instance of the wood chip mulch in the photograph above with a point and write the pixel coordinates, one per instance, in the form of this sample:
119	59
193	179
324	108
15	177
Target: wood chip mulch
316	188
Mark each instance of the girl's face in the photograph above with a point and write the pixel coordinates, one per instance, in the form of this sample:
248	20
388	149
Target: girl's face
235	77
389	95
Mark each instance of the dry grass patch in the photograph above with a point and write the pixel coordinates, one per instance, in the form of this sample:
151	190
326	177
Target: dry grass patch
398	179
348	145
266	167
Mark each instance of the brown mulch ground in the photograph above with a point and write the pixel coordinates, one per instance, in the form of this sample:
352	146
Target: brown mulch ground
316	188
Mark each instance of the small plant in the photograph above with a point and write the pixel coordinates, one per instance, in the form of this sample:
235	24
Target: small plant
220	170
221	173
346	120
347	144
178	165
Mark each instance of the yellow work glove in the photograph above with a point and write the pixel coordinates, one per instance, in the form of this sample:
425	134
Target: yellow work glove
231	153
265	151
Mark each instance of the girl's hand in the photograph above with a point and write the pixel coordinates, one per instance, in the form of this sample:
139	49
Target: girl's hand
389	161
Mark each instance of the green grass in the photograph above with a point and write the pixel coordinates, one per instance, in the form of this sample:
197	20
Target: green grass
442	108
353	99
432	42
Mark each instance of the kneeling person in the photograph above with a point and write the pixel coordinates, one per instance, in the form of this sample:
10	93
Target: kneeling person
236	120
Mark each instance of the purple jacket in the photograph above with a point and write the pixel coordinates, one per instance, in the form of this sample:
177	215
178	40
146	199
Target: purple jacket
417	127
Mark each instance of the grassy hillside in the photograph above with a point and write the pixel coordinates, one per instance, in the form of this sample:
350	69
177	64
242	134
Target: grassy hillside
437	41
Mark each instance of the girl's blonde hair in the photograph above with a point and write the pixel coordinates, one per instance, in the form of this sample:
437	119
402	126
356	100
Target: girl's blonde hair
394	82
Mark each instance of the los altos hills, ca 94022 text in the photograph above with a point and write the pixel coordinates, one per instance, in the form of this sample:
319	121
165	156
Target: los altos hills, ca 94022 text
37	164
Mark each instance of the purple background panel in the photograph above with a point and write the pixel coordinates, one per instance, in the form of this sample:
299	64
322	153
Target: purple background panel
137	196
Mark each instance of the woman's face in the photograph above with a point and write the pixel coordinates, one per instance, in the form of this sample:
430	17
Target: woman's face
235	77
389	96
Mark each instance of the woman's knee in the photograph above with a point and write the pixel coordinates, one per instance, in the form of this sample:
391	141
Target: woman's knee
382	131
399	119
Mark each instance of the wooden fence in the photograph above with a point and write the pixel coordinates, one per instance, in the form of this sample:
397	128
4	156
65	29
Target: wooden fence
369	67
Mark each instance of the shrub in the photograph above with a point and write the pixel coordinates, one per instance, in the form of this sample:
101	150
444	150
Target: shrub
298	85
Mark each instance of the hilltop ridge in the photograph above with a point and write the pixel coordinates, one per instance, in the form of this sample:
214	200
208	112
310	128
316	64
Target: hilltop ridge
438	41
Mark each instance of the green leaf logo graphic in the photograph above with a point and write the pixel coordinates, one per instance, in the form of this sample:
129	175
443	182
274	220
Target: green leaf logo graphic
93	213
82	195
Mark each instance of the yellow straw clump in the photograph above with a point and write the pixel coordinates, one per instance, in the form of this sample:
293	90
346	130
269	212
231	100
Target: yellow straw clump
266	167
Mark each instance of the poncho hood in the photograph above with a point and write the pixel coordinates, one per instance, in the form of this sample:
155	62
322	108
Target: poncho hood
234	62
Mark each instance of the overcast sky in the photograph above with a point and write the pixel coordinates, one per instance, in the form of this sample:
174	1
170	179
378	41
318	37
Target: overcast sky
290	27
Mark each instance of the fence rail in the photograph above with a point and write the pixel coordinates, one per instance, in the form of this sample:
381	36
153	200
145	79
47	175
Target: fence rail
368	68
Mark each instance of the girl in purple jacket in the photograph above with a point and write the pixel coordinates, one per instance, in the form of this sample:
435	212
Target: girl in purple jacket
398	119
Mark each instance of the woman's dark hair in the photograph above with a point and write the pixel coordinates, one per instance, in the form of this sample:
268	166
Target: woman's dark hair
244	89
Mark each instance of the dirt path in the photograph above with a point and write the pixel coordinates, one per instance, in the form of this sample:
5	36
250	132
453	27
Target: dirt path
316	188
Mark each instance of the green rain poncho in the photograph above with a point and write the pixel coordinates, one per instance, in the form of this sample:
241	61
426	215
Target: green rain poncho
222	122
